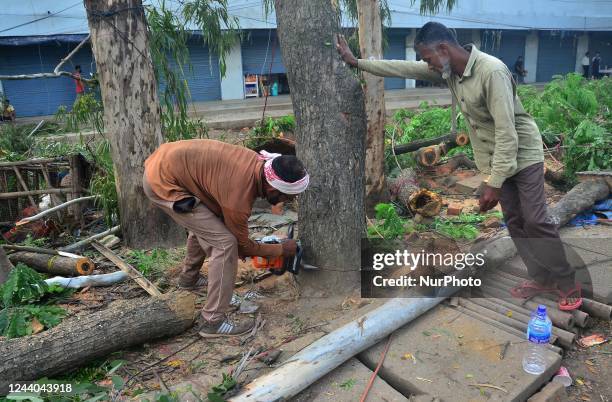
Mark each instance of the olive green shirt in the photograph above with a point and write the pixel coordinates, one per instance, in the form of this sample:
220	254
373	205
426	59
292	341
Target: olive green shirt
504	137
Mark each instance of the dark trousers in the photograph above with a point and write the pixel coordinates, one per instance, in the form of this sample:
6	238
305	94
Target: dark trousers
536	237
585	72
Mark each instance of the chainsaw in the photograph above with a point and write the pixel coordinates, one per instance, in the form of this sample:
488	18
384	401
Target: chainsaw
279	265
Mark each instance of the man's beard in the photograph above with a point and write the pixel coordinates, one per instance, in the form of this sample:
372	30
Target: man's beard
446	69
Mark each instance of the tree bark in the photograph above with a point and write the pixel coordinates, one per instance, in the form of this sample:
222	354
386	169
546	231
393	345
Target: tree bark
370	44
331	125
5	266
54	264
131	114
76	341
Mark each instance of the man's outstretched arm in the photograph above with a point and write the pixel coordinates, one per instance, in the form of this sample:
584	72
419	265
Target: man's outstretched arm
417	70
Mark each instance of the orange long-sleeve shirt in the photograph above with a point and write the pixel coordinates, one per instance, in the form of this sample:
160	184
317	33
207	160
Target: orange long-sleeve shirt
226	178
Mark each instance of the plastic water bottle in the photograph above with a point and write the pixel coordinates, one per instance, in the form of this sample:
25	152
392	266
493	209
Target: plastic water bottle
538	334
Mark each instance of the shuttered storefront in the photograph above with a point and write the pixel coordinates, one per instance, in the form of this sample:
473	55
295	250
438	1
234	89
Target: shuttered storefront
204	80
258	53
39	97
507	48
395	50
556	54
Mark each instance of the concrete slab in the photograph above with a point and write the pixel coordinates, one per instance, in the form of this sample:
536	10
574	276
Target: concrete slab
552	392
444	352
355	376
470	185
592	247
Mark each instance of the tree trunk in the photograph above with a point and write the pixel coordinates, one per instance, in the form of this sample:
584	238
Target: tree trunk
131	114
76	341
370	44
331	125
5	266
54	264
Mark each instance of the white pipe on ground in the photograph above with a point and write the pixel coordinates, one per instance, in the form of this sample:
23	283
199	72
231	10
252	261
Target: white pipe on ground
333	349
88	280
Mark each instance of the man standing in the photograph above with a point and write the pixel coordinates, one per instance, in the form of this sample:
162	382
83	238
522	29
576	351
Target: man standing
209	187
596	66
79	85
519	70
507	146
586	63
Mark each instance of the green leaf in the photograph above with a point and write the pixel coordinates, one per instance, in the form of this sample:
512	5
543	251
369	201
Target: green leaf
25	396
117	381
348	384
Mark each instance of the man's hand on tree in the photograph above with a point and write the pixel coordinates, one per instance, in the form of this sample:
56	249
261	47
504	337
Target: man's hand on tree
489	198
345	52
289	247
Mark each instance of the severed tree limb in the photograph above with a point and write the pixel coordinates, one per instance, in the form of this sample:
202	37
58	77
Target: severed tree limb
80	244
56	208
56	72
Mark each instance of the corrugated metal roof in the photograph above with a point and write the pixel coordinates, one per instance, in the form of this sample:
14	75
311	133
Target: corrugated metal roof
56	17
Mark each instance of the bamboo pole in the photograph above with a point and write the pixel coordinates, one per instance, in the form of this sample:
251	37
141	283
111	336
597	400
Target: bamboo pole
24	186
17	194
84	242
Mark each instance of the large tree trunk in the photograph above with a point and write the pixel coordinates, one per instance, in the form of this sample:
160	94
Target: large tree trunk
131	114
329	110
370	44
5	266
76	341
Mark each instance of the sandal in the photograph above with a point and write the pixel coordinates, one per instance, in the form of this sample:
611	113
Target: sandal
564	295
529	289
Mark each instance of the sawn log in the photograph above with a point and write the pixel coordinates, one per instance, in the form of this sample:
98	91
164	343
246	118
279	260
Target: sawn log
76	341
54	264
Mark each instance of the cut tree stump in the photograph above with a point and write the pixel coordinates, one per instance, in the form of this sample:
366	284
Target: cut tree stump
54	264
76	341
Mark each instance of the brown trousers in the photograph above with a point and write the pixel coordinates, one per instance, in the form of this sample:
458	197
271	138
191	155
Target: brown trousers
536	237
208	236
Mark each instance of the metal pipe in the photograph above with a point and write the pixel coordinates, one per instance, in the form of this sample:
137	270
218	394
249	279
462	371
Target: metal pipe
335	348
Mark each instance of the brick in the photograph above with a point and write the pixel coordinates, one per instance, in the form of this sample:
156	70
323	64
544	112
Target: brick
454	209
470	185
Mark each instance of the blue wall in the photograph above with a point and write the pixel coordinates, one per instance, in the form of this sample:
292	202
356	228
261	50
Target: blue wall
511	46
38	97
257	52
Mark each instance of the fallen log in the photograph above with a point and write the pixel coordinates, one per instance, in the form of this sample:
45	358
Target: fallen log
5	266
54	264
76	341
581	197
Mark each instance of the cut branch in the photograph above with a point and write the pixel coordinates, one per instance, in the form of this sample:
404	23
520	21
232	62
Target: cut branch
56	72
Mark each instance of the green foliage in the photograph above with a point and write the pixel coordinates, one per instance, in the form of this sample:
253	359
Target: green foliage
578	114
217	392
456	231
103	183
268	129
348	384
23	287
152	263
412	125
15	142
389	224
87	112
